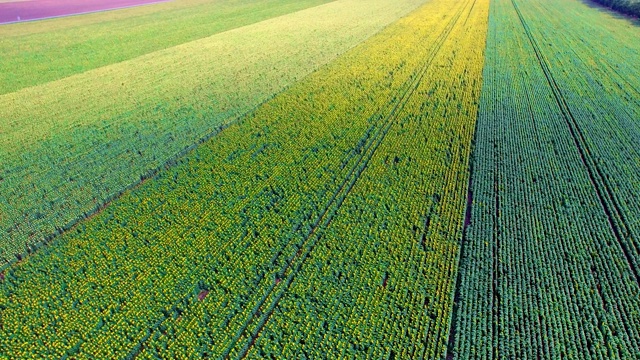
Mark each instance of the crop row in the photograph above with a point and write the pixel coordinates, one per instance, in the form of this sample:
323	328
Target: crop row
217	227
70	146
549	260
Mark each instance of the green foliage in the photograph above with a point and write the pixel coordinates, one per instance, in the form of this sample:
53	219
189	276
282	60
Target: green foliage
549	265
43	51
631	7
330	220
72	145
240	204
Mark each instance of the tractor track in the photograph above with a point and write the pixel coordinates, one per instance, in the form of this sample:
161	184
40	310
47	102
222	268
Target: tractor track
330	210
604	193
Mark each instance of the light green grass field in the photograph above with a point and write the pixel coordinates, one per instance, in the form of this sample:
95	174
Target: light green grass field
38	52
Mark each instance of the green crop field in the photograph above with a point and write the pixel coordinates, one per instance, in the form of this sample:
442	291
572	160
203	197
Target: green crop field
39	52
384	179
550	266
101	131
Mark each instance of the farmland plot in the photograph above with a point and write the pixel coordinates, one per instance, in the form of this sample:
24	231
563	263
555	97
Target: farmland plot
373	274
550	262
42	51
68	146
354	180
187	264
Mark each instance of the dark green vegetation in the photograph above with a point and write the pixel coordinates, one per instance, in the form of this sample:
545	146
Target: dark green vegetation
551	260
631	7
43	51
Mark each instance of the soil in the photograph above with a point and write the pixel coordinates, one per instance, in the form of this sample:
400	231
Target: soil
203	294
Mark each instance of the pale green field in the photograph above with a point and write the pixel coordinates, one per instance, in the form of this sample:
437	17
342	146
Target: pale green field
69	145
37	52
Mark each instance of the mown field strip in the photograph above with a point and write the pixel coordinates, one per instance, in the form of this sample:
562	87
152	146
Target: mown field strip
59	139
43	10
551	244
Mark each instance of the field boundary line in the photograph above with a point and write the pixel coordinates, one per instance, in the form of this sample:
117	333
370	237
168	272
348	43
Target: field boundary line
448	351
